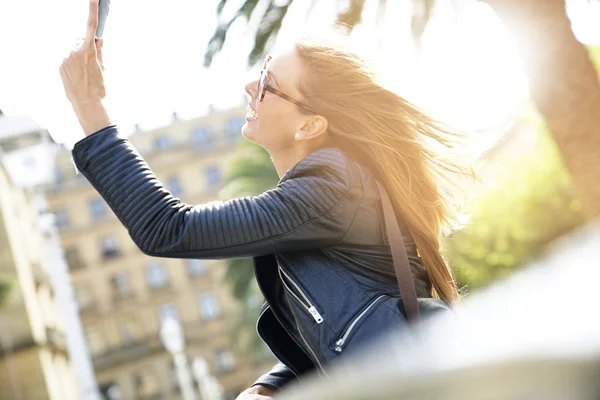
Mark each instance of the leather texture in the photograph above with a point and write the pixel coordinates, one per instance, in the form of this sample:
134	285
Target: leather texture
317	238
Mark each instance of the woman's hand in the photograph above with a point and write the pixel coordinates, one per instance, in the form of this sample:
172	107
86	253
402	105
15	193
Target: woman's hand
81	73
257	392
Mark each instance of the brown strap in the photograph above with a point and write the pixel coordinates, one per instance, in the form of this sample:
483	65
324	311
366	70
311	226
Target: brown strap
408	293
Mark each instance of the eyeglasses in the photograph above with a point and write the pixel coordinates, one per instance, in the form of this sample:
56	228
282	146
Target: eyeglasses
263	87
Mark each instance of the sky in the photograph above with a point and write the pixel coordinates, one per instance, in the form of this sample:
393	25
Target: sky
468	73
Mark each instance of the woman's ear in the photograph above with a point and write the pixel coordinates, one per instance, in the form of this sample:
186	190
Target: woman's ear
312	128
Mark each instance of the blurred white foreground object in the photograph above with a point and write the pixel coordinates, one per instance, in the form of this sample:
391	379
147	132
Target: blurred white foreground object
535	335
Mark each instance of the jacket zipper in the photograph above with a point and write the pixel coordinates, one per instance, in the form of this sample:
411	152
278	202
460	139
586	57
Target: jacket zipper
309	307
312	352
340	343
312	310
286	329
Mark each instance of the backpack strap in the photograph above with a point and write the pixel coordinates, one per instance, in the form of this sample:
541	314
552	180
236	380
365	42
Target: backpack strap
406	283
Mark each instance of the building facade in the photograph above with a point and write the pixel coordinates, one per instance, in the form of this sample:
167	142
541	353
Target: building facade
123	294
34	363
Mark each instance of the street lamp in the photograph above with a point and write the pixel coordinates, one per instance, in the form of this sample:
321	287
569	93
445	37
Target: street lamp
28	155
209	387
114	393
172	338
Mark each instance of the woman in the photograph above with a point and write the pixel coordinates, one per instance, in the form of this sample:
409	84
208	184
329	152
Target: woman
321	254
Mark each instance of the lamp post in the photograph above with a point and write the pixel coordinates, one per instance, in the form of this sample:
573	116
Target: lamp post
114	393
209	387
172	338
28	155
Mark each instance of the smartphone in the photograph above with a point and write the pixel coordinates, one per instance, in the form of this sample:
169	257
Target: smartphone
103	7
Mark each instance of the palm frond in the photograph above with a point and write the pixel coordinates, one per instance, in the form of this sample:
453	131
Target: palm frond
216	42
5	287
220	7
277	10
268	29
240	275
251	173
420	18
351	16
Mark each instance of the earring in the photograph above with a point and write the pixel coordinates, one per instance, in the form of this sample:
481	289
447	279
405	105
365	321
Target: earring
298	136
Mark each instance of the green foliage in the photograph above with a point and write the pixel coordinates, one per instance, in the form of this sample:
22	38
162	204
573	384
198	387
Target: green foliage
271	21
527	202
268	28
5	287
531	203
594	52
251	173
243	334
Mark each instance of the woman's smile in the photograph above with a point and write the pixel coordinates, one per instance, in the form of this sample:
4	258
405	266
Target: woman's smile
251	114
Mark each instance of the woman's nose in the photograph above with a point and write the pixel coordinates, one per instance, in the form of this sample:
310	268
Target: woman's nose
251	88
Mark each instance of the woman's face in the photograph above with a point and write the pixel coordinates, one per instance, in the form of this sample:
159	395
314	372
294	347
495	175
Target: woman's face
273	122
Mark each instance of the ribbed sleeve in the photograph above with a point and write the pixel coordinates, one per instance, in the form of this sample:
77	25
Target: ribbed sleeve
312	206
277	377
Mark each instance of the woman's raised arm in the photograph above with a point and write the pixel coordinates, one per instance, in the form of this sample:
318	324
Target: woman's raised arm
312	206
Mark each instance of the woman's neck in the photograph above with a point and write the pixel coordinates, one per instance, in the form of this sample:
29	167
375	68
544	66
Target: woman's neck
284	159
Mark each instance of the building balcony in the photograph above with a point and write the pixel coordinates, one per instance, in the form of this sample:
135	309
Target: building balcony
75	265
156	396
123	299
124	354
89	311
55	339
72	182
40	274
196	333
222	141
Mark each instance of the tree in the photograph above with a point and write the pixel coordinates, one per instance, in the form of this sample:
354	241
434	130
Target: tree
4	291
564	87
563	83
276	11
520	211
250	174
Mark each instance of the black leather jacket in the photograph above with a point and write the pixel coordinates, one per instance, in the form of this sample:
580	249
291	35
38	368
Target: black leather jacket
317	238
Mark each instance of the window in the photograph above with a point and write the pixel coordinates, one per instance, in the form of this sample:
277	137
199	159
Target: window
167	310
253	301
213	175
110	247
98	208
127	329
62	218
196	267
173	377
209	307
58	176
233	126
225	360
111	391
120	284
162	142
73	259
146	383
156	275
84	298
201	137
174	186
95	342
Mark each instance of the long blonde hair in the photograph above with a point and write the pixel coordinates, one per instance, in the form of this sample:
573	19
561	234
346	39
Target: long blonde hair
412	154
